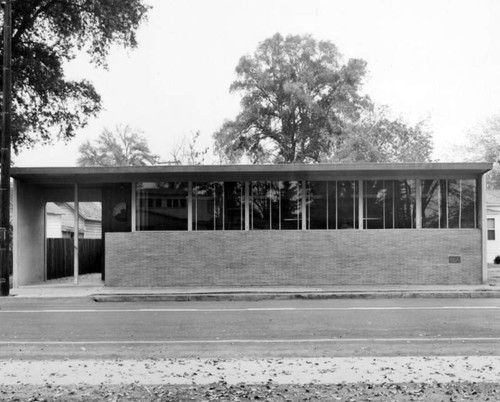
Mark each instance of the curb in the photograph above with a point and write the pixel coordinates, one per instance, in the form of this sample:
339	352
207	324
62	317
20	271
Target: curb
177	297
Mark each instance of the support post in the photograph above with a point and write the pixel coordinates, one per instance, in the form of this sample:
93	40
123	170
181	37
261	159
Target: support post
75	237
484	228
5	153
133	227
190	206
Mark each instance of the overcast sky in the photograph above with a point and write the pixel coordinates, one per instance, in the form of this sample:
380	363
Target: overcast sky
427	59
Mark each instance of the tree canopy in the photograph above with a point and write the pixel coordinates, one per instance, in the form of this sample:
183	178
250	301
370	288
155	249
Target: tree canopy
302	104
45	35
376	137
126	147
483	145
297	95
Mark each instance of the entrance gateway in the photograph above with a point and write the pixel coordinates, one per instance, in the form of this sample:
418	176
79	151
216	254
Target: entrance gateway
267	225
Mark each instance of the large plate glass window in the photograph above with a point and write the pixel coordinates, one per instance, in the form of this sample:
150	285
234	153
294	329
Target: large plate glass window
218	205
389	204
449	203
162	206
275	205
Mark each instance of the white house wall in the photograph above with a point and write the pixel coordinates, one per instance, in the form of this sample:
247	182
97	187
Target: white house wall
54	226
92	230
493	246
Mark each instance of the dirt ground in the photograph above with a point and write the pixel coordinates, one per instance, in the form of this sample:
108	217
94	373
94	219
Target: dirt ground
247	392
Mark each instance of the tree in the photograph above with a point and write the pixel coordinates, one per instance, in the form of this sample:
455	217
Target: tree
297	98
378	138
125	148
483	145
187	152
48	33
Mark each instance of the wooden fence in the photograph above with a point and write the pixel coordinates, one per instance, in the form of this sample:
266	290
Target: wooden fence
60	254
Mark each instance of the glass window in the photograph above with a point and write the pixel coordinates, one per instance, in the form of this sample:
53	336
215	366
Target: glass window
208	200
404	204
449	203
347	205
319	210
290	205
275	205
162	206
468	204
432	203
378	205
234	206
491	228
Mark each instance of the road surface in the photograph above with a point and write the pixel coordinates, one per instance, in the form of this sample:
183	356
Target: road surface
81	328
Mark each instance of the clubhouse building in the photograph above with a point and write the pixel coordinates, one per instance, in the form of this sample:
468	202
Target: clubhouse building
266	225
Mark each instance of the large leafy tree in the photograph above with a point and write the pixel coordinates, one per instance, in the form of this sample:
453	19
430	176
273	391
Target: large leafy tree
482	145
298	96
48	33
301	103
125	147
377	137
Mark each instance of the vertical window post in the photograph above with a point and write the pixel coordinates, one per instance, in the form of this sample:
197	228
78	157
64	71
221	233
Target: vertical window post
134	207
484	226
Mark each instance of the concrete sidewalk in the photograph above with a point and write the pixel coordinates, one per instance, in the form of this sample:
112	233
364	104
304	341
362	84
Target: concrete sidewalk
90	286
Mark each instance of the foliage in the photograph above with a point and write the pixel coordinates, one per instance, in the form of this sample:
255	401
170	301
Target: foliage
298	97
45	35
301	104
483	145
378	138
125	148
497	260
187	152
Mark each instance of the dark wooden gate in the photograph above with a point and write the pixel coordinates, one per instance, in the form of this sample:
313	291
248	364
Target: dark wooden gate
60	257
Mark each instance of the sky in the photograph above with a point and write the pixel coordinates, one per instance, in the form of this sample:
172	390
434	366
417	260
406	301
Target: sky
434	60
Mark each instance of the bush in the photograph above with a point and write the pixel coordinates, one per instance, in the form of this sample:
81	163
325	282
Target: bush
497	260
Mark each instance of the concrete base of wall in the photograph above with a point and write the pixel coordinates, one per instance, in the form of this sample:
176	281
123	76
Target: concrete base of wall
294	258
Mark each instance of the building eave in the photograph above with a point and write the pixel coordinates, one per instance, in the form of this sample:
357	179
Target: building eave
87	175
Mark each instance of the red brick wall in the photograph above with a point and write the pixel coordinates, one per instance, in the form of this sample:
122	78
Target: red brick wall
293	258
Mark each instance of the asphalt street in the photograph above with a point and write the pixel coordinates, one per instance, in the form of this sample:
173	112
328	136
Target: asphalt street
81	328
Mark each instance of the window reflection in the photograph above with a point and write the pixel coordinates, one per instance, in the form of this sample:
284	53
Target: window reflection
449	203
389	204
162	206
275	205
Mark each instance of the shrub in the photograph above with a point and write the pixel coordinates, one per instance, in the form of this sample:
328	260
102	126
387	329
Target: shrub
497	260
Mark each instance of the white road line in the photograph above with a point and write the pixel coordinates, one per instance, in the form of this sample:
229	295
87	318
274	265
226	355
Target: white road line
217	310
254	341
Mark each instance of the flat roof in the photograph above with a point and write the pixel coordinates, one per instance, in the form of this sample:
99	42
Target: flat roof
117	174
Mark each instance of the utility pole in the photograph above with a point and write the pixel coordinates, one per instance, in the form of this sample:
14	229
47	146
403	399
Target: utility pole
5	152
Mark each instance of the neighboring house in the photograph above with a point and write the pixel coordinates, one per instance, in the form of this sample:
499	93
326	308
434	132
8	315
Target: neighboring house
493	223
61	222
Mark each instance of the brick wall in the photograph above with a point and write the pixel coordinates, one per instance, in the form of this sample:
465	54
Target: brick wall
288	258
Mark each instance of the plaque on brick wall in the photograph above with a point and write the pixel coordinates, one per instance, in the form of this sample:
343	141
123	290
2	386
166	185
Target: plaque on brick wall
454	259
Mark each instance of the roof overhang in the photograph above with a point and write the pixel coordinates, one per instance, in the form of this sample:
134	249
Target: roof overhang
121	174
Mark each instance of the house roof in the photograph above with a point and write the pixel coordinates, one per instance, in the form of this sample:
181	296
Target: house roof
87	210
53	209
120	174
